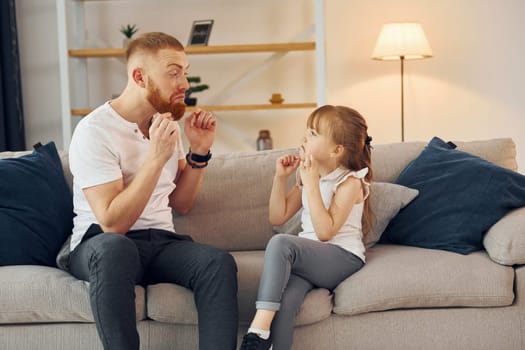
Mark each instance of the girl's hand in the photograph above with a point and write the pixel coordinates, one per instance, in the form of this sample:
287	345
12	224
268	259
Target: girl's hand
309	171
286	165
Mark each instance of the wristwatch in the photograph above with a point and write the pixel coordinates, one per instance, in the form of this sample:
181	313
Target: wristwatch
200	158
192	159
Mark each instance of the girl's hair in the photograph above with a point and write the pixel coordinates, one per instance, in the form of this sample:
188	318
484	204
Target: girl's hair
152	42
347	127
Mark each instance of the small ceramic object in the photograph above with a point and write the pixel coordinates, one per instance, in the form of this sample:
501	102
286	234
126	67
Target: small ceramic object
276	98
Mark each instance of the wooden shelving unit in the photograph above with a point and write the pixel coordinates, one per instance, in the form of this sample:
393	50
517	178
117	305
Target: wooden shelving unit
76	59
85	111
205	50
216	49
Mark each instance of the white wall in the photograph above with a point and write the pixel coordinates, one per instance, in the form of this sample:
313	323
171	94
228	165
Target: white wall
37	38
469	90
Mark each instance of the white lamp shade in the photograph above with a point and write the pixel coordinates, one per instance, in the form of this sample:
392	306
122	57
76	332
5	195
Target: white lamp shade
398	40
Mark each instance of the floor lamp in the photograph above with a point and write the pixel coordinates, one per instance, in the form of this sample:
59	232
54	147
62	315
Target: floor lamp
402	41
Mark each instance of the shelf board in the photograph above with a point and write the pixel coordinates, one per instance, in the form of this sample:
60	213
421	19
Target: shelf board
201	50
298	46
86	111
255	106
96	53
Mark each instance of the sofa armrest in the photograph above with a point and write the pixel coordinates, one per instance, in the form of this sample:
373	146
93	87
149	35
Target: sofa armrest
505	240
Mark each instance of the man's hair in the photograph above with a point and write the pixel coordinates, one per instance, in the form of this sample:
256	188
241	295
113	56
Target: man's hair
151	43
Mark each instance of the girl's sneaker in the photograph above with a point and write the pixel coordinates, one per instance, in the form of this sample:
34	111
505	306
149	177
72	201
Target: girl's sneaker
252	341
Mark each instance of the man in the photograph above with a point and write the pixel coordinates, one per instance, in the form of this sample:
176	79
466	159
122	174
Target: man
129	172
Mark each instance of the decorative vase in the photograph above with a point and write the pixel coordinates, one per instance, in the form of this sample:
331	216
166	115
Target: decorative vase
264	141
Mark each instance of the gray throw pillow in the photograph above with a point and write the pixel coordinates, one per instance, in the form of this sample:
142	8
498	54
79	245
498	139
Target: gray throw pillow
505	240
386	200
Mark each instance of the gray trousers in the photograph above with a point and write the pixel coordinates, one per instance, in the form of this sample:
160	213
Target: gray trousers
293	266
113	264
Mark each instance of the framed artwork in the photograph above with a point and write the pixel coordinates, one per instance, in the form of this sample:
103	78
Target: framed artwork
200	32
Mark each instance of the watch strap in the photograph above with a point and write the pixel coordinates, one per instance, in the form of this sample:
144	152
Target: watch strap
199	158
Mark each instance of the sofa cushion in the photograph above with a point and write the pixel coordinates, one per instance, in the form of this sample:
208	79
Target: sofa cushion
401	277
388	160
461	196
36	208
171	303
64	159
505	240
386	200
246	226
231	210
39	294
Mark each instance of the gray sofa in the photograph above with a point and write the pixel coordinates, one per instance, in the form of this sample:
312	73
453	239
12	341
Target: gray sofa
404	297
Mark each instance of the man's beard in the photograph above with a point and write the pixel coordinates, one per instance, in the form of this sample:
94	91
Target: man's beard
162	106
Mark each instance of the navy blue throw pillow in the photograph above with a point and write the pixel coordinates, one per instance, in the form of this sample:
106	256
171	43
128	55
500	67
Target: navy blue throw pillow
460	197
36	208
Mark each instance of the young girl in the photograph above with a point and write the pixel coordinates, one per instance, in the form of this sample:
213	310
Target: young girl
335	172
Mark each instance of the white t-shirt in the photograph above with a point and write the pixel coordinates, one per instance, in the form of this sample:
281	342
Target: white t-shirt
350	235
106	147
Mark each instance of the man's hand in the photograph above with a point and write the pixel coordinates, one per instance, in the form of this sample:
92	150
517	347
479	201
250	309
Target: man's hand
200	127
163	134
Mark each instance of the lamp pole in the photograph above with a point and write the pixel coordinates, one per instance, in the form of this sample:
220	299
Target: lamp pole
403	41
402	59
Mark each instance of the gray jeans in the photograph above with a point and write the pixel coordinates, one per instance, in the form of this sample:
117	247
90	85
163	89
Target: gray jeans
113	264
292	266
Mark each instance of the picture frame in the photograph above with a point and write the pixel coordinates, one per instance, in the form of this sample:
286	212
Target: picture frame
200	32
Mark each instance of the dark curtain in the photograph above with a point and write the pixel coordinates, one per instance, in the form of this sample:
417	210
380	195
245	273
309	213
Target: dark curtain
12	136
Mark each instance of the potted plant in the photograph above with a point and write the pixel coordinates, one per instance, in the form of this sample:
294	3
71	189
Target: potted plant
195	86
128	30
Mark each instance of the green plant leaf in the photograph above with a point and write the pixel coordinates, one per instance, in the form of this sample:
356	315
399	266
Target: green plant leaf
128	30
195	88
